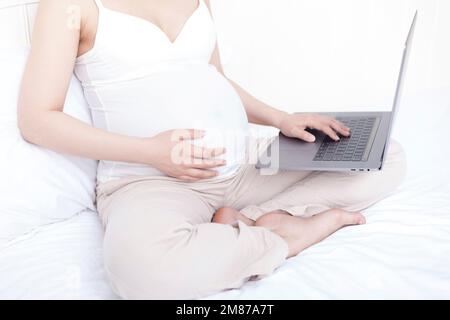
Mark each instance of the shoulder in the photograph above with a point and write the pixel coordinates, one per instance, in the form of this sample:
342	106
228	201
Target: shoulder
65	4
67	18
68	9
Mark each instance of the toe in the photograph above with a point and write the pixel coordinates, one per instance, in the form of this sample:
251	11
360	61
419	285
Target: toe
353	219
362	220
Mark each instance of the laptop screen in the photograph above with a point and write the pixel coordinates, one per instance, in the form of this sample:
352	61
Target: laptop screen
401	79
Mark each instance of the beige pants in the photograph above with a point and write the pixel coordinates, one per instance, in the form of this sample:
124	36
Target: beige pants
160	242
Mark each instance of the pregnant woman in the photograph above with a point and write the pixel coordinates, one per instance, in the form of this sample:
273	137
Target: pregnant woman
185	212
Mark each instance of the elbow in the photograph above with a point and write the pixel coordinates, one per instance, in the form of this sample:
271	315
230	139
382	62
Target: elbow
24	130
26	127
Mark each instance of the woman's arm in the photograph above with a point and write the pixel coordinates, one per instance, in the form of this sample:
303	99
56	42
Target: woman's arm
45	83
44	87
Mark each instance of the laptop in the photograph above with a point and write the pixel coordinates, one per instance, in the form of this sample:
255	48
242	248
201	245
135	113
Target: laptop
364	150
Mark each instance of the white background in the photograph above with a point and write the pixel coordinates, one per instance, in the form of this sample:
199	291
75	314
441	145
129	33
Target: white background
320	55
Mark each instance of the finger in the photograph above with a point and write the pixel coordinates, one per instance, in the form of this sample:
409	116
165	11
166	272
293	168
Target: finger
342	125
197	157
188	134
207	153
329	132
191	152
340	128
201	174
303	135
209	164
188	179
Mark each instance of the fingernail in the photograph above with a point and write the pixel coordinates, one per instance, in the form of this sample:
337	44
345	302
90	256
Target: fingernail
312	139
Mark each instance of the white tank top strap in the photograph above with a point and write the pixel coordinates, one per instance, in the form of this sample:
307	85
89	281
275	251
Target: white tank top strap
99	4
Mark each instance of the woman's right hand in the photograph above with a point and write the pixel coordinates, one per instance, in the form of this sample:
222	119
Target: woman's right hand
173	153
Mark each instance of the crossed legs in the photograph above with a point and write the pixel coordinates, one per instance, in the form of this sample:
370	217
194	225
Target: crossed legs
317	204
160	242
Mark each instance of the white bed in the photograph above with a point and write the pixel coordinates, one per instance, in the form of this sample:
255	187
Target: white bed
403	251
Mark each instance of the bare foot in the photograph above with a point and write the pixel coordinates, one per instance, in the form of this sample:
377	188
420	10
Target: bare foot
301	233
231	216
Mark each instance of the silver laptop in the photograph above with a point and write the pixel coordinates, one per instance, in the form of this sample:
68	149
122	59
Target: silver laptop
364	150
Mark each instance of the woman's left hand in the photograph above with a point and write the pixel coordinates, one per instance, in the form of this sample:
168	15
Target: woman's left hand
295	125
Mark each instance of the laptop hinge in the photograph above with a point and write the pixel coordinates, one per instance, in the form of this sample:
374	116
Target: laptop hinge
382	157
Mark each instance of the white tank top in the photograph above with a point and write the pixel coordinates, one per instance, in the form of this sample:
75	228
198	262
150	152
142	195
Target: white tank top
139	83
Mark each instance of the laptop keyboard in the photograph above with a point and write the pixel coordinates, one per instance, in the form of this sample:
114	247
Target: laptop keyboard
352	148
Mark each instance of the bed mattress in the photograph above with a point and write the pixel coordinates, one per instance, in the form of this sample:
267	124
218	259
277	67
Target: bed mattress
403	251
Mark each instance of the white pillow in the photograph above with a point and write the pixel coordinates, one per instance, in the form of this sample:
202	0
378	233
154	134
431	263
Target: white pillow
37	186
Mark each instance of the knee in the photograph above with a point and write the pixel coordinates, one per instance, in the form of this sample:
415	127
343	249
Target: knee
137	260
153	267
396	164
365	189
140	280
126	266
396	152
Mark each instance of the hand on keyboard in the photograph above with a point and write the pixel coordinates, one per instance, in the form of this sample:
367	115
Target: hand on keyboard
295	126
352	149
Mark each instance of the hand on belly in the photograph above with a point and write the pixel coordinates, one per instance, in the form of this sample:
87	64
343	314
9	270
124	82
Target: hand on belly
173	153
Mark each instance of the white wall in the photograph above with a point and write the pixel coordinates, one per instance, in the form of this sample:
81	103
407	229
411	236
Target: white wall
332	54
317	54
16	20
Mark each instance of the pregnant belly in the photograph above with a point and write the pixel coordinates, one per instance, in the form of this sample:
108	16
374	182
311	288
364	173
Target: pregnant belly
196	97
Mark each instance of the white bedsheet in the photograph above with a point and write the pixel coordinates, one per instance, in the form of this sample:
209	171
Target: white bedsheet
59	261
403	251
